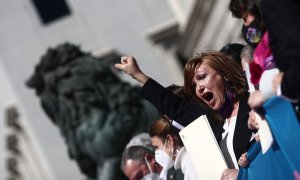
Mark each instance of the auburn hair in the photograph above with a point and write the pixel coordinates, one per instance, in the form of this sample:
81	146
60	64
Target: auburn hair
225	66
163	127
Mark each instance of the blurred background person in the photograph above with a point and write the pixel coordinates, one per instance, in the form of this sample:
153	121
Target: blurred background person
170	151
138	159
233	50
283	24
254	25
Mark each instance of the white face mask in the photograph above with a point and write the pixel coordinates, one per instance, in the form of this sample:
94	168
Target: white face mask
163	159
151	176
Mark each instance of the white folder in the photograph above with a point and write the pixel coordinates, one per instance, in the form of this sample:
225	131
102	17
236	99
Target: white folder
203	149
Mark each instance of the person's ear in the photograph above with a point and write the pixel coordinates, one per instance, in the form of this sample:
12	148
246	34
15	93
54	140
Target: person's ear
170	140
150	158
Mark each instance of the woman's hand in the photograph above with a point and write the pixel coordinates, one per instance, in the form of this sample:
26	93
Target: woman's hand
129	66
252	122
230	174
243	162
256	99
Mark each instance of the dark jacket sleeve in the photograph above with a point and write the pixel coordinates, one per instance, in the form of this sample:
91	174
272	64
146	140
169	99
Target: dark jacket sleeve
283	23
170	104
183	110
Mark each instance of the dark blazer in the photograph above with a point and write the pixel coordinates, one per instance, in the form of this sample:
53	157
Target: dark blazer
175	174
186	110
242	134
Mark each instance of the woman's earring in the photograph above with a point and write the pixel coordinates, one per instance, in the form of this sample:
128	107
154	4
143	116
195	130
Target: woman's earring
229	85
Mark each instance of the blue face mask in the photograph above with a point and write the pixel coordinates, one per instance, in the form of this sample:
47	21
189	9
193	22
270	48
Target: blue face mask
252	34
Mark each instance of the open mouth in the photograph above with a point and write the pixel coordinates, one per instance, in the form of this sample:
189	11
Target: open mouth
208	96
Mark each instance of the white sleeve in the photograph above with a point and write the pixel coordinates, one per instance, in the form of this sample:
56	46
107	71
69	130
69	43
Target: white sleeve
266	83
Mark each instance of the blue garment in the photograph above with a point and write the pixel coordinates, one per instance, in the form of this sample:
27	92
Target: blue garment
283	158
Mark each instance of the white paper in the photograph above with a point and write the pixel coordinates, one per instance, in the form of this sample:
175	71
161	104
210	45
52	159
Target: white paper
203	149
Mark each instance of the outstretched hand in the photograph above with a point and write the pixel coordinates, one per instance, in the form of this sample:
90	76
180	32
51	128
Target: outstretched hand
129	66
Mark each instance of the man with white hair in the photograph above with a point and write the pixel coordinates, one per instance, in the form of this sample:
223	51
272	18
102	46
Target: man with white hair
138	159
